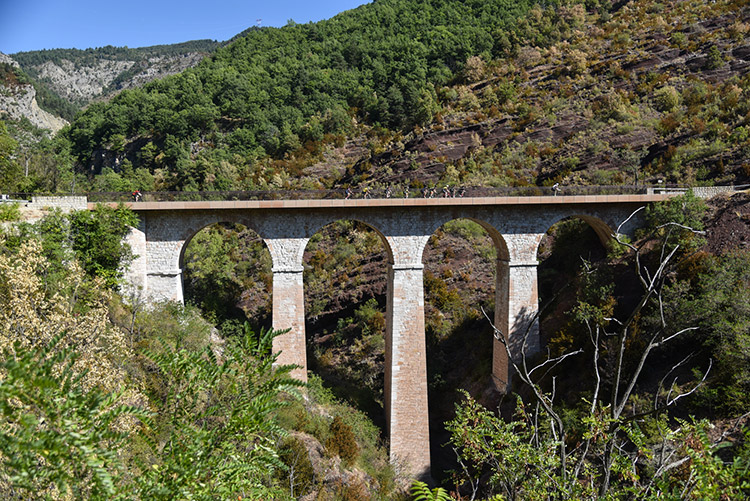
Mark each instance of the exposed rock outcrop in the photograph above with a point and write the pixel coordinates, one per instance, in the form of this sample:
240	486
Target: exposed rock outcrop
5	59
82	77
160	67
83	83
19	100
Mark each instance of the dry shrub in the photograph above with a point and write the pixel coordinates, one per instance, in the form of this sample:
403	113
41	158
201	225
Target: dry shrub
341	441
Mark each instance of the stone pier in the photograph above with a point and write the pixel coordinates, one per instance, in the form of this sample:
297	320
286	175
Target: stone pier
288	310
406	368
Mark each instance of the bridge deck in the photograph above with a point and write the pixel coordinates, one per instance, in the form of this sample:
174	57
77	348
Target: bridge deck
393	202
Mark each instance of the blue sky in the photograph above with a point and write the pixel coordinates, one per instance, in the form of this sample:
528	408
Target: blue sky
81	24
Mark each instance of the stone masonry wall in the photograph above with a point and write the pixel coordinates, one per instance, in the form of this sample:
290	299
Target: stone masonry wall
288	312
711	191
39	207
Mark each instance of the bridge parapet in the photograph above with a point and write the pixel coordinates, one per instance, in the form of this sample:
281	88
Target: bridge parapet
393	202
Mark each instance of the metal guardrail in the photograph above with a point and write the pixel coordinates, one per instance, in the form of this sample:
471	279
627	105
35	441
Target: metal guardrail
377	193
10	199
433	192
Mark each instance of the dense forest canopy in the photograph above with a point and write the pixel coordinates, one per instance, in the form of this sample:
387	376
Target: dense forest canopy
274	89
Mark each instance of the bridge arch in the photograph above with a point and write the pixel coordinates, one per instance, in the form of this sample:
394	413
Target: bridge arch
226	270
500	365
345	285
190	231
603	229
371	225
562	250
462	261
497	238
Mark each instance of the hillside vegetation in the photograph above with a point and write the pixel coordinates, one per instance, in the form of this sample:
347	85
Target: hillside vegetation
413	93
274	90
104	398
448	92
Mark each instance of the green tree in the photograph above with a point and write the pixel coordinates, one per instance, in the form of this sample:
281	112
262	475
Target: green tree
97	240
58	439
216	436
380	64
10	171
521	460
10	211
516	464
715	299
679	220
94	238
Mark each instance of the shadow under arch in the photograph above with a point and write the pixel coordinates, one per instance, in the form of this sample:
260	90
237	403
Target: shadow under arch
567	244
602	229
229	274
464	261
566	241
345	265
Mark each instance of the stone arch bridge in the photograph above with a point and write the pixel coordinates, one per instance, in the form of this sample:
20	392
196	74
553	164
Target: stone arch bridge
515	224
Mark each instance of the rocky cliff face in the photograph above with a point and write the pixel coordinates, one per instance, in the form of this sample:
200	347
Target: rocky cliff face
18	100
82	83
5	59
80	77
160	67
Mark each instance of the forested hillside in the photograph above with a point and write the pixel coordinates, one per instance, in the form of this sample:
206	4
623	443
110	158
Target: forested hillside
450	92
413	93
275	90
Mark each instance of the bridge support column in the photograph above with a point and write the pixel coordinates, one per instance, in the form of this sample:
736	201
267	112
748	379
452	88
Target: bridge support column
134	276
500	363
516	306
406	369
288	309
165	285
289	313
